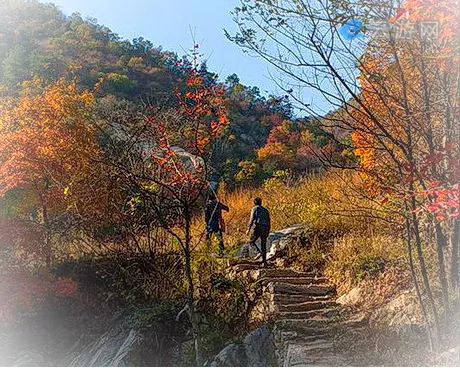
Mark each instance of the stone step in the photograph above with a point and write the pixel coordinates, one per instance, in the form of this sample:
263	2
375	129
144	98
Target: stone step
300	340
326	313
305	306
286	288
305	355
323	345
283	273
299	298
307	335
304	333
245	266
293	337
303	325
328	361
293	280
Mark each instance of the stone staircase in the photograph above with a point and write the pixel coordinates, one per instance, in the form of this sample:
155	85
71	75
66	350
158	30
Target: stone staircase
304	314
306	320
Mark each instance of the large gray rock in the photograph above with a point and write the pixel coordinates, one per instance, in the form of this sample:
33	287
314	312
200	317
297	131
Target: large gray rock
402	315
276	242
112	349
260	347
232	355
256	350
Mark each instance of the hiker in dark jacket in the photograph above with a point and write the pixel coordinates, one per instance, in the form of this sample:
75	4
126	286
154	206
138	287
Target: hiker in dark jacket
259	223
213	218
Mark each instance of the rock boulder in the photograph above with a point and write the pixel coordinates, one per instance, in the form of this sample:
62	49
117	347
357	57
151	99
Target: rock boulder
402	314
256	350
351	299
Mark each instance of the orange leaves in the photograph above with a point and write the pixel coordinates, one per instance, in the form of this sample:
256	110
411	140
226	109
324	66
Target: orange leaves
272	149
283	148
446	14
443	11
218	126
166	152
45	135
203	110
48	150
195	81
405	137
202	143
364	149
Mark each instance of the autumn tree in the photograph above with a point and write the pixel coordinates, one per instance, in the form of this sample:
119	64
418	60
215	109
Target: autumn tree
47	152
291	145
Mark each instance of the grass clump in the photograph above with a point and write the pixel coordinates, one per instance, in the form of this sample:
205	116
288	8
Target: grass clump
319	202
361	256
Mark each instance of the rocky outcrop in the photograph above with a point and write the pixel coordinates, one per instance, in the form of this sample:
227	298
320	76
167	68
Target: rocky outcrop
232	355
112	349
260	348
256	350
353	298
277	242
401	314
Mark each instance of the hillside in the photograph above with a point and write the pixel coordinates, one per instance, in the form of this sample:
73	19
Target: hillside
128	174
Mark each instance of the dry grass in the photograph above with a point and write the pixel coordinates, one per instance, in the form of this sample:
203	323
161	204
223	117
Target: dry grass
346	237
368	256
322	203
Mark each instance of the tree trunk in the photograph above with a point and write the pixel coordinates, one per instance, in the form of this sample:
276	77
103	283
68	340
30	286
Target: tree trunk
190	289
455	255
456	248
47	240
417	287
440	248
421	259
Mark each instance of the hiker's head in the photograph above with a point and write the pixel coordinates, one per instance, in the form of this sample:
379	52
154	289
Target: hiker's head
211	197
258	201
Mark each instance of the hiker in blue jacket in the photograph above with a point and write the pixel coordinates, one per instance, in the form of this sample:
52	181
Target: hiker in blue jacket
259	223
214	220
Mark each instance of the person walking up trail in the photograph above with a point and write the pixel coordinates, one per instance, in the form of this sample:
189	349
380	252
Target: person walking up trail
214	221
259	223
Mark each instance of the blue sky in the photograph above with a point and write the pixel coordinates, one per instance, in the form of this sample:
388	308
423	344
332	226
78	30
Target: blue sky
171	23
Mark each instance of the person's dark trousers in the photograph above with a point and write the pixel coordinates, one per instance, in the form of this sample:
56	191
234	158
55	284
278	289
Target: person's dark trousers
260	232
